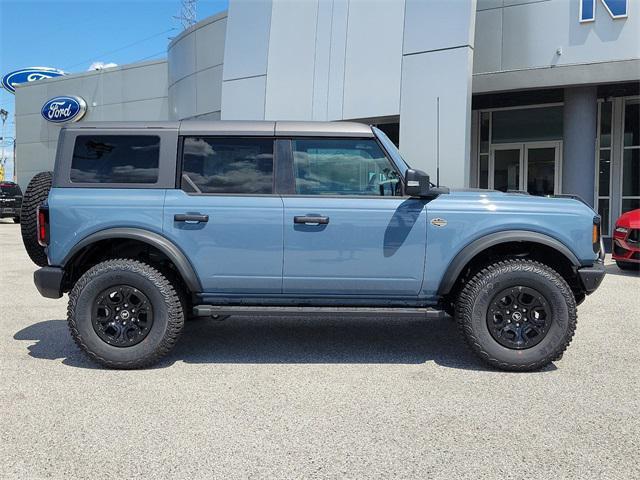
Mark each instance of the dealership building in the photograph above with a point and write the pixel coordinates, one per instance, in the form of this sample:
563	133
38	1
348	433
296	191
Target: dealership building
535	95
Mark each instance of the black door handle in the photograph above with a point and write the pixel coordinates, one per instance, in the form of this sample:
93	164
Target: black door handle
311	219
191	217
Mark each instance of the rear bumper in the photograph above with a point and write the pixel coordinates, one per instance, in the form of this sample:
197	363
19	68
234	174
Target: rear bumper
48	281
591	277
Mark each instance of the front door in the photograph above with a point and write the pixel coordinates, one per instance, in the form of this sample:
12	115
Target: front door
347	230
226	217
529	167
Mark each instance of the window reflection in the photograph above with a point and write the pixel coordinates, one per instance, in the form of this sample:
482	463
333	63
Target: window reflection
115	159
231	165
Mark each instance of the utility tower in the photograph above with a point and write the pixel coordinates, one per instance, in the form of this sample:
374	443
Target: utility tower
187	15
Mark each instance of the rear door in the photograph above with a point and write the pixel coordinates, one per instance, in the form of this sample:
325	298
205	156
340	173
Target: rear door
348	231
225	215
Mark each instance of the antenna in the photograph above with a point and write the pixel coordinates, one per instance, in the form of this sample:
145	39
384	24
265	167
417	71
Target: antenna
437	141
187	15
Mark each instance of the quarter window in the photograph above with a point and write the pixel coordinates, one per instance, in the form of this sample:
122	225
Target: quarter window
343	167
115	159
227	165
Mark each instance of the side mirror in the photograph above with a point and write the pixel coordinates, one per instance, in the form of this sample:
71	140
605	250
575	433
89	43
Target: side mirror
417	183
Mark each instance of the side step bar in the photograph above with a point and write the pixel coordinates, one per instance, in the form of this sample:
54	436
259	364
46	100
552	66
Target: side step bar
356	312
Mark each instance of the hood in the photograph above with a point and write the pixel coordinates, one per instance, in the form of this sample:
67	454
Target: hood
630	219
495	200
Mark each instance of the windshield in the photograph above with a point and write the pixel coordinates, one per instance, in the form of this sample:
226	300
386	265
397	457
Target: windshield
391	149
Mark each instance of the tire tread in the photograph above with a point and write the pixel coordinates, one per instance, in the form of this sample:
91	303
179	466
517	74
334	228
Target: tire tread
465	301
168	290
37	192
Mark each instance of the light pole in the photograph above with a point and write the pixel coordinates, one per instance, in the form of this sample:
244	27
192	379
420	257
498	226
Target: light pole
3	116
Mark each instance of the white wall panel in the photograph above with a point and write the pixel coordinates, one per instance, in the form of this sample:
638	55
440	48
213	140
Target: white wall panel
436	24
182	98
31	128
88	86
487	4
182	58
210	44
33	158
247	38
534	31
209	90
426	76
30	99
322	60
290	69
131	84
145	109
335	93
243	99
488	42
373	59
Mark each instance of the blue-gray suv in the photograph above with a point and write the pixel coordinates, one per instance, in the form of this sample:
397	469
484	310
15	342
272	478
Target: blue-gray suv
148	224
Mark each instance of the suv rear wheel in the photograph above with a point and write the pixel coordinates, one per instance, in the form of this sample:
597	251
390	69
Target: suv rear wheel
517	315
125	314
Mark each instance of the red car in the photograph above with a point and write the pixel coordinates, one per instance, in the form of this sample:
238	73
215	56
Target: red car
626	241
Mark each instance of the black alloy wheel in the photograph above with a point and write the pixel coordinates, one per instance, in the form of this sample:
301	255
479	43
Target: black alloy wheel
519	317
122	316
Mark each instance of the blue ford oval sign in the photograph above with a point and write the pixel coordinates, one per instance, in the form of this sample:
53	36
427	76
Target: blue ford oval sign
26	75
64	109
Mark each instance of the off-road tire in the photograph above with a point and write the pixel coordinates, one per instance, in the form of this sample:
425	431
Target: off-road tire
628	265
36	193
165	299
478	293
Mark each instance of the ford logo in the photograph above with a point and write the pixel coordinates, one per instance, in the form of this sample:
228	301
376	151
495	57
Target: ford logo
26	75
64	109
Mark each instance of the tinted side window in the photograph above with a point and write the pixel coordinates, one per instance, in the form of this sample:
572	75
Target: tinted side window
227	165
343	167
115	159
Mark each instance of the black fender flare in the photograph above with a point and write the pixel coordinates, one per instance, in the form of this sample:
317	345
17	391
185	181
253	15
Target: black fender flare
465	255
153	239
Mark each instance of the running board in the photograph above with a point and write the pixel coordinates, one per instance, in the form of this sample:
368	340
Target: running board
354	312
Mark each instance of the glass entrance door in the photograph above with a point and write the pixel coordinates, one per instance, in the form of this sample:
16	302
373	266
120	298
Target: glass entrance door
530	167
507	168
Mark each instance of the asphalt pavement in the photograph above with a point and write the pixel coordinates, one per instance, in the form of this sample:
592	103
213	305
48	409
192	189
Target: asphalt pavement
331	398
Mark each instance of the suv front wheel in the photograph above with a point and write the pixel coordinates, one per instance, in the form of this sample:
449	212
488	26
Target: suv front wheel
125	314
517	315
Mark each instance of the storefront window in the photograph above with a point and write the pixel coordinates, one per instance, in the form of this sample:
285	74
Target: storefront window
526	125
631	156
604	164
485	141
632	123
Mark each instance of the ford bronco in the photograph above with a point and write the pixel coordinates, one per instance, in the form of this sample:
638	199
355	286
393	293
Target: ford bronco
147	224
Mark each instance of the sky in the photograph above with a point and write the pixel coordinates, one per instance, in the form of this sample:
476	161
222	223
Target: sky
74	34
